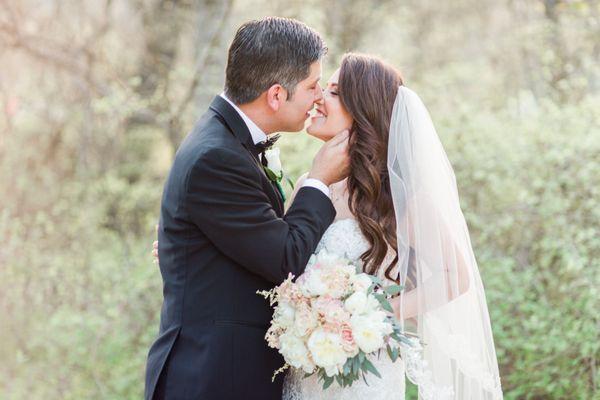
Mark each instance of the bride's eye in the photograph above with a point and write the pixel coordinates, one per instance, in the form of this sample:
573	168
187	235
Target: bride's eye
333	93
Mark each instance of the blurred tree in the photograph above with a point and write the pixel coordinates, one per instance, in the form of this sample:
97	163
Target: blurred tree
95	97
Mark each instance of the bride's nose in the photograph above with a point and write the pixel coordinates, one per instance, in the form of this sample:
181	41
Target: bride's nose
319	94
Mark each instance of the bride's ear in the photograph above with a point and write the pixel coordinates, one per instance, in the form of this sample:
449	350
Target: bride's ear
276	95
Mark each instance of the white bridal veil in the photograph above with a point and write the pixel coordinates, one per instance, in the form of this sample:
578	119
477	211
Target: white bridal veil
443	301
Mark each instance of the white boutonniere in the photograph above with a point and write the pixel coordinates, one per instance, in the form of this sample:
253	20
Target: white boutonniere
273	161
274	170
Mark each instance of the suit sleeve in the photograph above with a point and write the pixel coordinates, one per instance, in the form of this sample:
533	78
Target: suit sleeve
227	203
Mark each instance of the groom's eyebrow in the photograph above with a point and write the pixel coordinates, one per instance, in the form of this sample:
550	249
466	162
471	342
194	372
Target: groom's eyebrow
315	81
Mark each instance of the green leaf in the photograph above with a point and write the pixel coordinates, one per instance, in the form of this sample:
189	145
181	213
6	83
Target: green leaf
393	290
389	350
376	280
355	365
270	174
290	182
384	302
365	379
327	382
347	366
368	366
393	353
339	380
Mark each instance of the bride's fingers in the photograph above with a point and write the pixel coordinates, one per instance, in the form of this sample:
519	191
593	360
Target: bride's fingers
155	253
155	244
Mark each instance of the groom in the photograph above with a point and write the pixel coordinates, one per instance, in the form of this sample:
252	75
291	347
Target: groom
223	233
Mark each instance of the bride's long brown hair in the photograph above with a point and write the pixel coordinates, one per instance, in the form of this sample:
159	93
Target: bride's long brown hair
367	88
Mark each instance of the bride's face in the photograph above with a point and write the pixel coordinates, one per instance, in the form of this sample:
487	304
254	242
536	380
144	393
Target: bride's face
330	116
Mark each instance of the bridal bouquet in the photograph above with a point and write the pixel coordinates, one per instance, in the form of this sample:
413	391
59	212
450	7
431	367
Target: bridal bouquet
331	319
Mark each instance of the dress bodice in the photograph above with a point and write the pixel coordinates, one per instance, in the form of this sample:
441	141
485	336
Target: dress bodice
345	239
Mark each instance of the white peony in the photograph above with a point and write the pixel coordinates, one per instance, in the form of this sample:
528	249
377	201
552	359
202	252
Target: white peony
373	306
361	282
313	283
284	314
337	281
356	303
273	161
327	350
367	333
295	352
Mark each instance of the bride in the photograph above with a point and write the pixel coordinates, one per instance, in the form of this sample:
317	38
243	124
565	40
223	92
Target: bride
398	215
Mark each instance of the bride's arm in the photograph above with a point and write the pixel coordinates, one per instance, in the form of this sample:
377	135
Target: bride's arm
452	278
297	187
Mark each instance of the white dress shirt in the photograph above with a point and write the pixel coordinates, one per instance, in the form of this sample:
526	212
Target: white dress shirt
259	136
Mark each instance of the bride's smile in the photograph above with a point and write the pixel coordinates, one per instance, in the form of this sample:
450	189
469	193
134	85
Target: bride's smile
330	117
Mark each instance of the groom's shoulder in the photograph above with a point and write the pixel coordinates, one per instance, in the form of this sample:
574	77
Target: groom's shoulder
209	144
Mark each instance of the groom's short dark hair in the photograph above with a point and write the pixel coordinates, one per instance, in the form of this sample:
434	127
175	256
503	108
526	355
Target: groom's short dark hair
270	51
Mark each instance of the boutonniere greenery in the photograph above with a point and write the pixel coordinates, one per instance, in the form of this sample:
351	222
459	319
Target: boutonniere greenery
274	170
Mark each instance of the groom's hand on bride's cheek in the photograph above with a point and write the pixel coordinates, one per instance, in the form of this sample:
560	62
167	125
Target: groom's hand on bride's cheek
332	162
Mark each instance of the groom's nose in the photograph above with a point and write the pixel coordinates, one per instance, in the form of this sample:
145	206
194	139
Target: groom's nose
318	94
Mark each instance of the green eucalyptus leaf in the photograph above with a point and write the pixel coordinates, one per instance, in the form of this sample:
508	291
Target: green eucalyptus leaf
368	366
393	290
384	302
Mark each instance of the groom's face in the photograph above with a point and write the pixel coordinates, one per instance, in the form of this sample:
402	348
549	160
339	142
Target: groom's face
296	110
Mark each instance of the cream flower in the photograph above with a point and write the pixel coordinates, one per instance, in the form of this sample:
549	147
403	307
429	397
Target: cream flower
327	350
356	303
295	352
313	283
361	282
284	314
273	161
367	333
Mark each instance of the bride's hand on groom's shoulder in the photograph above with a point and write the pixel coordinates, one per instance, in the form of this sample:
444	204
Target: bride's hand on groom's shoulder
155	251
332	163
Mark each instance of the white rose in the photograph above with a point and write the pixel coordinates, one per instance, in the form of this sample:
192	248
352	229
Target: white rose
273	161
356	303
327	350
284	314
313	284
367	333
295	352
361	282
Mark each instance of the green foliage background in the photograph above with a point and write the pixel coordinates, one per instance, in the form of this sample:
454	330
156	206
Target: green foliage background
96	98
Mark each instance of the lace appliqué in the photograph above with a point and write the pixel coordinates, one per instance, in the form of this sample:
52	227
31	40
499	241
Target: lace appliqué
417	372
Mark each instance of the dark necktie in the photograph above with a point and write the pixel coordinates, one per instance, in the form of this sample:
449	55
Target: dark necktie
266	145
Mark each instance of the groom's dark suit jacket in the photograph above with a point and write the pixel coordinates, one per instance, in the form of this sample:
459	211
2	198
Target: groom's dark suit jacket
222	236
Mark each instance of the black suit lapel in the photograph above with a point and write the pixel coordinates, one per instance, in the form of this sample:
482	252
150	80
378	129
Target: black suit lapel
240	130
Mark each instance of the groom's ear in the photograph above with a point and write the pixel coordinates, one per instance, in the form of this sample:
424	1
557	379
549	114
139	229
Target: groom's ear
276	95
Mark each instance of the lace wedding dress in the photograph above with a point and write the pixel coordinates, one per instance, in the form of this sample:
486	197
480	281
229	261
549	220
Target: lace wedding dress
345	239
